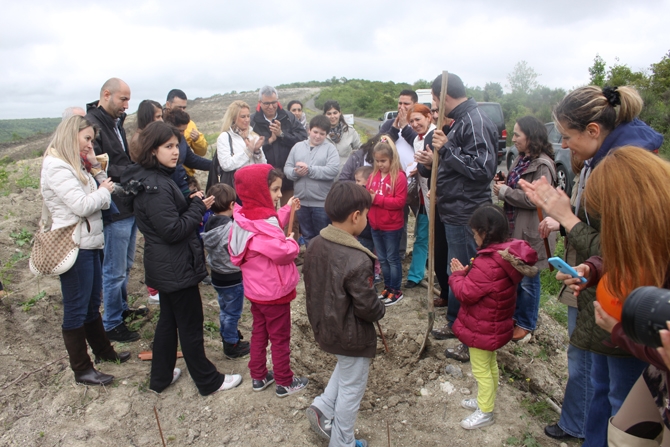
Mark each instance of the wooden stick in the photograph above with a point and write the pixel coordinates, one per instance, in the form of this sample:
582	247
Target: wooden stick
291	219
25	375
388	433
381	334
546	241
431	216
160	430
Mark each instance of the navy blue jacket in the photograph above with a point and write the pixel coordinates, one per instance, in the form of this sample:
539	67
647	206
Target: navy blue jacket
189	159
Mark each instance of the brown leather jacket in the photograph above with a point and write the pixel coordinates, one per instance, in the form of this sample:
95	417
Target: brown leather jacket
342	304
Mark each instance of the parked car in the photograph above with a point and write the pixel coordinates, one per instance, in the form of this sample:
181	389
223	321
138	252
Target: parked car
564	175
390	115
494	111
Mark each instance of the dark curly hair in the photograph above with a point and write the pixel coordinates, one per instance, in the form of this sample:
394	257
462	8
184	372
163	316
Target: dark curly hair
536	134
490	221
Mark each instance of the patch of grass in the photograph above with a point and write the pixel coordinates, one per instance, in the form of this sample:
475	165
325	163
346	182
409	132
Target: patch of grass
526	440
4	161
27	180
32	301
550	288
5	270
211	328
4	184
22	237
156	316
539	409
212	137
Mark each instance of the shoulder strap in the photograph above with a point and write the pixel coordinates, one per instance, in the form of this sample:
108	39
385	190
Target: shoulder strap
45	220
230	142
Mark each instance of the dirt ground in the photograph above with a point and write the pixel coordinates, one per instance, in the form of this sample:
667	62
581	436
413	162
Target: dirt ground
410	401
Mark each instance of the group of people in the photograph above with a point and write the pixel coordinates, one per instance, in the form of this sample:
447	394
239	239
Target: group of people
352	201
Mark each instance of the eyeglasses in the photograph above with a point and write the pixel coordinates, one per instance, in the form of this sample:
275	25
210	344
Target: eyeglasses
269	104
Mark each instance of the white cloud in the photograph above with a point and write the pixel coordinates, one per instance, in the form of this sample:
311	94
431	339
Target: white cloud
66	50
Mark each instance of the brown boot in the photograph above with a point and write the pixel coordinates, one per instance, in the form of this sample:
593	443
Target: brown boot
80	362
443	333
100	345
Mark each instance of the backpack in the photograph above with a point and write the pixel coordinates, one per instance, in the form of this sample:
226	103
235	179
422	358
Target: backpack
218	175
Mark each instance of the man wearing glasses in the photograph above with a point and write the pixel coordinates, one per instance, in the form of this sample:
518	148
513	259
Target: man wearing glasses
281	131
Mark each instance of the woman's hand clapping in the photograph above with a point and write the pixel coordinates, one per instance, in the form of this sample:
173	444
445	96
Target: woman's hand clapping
553	201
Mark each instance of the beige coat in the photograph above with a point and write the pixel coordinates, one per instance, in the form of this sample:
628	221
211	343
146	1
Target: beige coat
526	220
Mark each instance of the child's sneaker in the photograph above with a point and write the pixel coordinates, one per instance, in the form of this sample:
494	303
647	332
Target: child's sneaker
237	350
361	443
230	381
260	385
478	419
385	293
393	298
318	422
378	278
299	383
469	404
176	373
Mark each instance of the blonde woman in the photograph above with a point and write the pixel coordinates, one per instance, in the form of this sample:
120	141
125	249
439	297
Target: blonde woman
72	195
238	145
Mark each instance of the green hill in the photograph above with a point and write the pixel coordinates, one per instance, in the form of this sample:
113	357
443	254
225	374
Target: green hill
15	130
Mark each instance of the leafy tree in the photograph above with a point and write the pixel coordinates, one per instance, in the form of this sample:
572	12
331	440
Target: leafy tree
493	91
660	76
621	74
597	71
421	83
522	79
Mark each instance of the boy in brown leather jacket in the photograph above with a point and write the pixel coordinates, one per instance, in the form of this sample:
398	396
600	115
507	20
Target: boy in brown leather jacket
342	306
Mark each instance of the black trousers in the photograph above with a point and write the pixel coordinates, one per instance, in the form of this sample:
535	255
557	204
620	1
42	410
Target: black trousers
181	311
441	261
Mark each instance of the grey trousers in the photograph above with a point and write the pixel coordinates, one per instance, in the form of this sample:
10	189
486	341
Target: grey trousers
342	398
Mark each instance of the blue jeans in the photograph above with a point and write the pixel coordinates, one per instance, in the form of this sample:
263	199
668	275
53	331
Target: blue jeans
420	252
527	302
611	378
119	257
461	245
387	246
578	391
231	301
81	286
312	220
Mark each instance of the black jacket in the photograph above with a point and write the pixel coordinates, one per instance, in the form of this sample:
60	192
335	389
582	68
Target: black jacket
173	254
107	142
190	160
467	164
277	152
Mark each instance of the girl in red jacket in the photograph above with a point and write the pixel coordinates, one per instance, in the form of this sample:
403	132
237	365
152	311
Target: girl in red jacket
388	186
487	292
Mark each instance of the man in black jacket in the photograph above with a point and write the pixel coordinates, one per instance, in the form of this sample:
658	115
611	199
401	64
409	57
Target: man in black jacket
108	114
281	131
467	152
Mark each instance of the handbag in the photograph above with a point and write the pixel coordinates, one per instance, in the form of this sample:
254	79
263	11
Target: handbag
413	190
54	251
216	174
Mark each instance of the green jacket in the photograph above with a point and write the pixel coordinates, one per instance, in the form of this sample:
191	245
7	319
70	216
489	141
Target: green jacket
585	239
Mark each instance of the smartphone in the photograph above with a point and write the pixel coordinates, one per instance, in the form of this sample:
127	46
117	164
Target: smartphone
563	267
500	176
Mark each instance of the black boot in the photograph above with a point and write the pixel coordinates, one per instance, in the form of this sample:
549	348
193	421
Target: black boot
237	350
80	362
99	343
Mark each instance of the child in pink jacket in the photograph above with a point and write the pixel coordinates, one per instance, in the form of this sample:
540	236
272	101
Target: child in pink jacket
257	244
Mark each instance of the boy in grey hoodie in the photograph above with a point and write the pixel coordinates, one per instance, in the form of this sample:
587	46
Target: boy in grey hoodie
313	165
226	276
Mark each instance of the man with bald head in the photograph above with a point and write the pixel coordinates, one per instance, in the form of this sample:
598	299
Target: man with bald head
72	111
108	113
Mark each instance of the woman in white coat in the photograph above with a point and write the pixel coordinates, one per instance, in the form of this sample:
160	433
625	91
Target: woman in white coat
72	196
343	136
238	145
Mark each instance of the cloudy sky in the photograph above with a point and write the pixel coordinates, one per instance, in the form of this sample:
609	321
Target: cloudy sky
57	54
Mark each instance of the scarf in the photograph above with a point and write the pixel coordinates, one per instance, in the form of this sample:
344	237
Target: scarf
87	164
512	180
335	133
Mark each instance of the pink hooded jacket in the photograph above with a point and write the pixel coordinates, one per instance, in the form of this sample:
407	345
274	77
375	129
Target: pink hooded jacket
259	246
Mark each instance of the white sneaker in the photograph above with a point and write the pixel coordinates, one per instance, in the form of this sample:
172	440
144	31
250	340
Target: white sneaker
469	404
230	381
478	419
175	375
154	299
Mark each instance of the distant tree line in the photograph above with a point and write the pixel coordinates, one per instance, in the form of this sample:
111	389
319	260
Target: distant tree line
16	130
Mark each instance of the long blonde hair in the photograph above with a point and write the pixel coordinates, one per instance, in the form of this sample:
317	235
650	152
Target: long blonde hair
386	146
232	113
65	143
628	190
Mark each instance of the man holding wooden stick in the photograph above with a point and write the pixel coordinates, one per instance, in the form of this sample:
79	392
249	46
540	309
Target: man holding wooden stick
467	162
